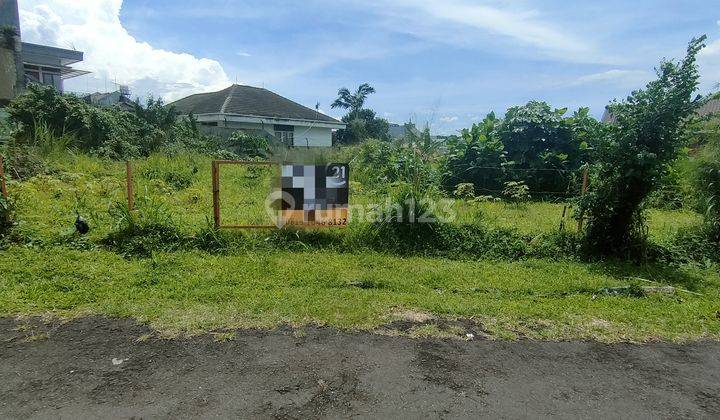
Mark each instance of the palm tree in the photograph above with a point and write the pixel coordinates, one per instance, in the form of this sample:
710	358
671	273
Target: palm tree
353	101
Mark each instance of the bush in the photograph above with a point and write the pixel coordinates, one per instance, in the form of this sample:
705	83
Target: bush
464	190
43	112
535	145
362	124
633	154
247	145
708	186
543	144
148	229
473	156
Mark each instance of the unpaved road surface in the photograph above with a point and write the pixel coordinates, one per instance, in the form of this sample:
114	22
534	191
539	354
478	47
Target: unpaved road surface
109	368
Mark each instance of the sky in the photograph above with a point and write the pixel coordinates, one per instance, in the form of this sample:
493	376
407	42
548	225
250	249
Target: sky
442	63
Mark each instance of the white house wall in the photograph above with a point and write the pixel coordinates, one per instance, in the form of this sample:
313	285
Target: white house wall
312	136
304	135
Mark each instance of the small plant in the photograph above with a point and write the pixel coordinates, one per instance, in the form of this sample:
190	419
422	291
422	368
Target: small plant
141	232
464	190
516	191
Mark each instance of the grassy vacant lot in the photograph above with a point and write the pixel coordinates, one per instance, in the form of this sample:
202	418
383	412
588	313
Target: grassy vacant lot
46	204
196	291
48	271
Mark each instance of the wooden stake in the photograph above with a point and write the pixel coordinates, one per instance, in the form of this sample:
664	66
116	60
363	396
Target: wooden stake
216	193
3	185
130	190
582	193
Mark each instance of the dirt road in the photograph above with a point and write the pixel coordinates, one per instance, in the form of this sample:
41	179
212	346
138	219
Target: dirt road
110	368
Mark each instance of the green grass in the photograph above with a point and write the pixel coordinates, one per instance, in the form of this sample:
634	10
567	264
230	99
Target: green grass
194	291
46	205
189	291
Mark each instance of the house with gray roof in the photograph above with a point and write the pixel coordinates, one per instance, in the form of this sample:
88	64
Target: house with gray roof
258	110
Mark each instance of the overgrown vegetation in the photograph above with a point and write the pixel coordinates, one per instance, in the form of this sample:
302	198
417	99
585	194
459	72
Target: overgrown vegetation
534	145
42	113
708	184
633	154
362	123
477	226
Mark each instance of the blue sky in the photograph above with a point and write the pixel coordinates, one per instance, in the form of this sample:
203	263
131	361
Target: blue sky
445	63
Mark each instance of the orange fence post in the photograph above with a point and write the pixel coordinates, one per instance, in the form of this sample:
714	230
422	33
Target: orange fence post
582	192
216	193
130	192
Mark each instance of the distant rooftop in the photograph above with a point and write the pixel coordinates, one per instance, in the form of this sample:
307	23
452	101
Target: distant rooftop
247	101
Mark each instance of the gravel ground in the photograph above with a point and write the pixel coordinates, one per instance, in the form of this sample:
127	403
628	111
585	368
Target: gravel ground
116	368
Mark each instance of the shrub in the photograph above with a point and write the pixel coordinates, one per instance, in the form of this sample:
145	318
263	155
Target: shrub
634	152
248	145
141	232
516	191
464	190
538	140
473	156
108	132
371	164
708	186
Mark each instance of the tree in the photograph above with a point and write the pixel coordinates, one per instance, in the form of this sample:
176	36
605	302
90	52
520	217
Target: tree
155	113
632	154
353	102
477	157
540	142
361	123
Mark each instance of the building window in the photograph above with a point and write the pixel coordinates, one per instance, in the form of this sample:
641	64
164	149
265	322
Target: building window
43	75
285	134
52	80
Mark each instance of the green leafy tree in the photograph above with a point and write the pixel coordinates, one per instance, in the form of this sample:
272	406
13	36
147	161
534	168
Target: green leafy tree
155	113
632	154
476	156
539	142
362	123
352	101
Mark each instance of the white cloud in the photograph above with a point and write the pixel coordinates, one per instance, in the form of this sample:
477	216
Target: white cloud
711	50
618	77
449	119
111	53
709	62
471	24
243	54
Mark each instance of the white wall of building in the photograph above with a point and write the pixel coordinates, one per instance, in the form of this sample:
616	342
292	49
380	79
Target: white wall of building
305	133
312	136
